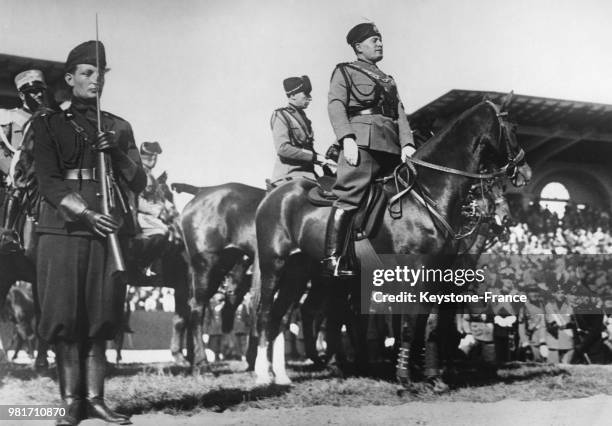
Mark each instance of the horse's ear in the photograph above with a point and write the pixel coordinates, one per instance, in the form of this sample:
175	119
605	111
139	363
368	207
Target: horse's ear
506	101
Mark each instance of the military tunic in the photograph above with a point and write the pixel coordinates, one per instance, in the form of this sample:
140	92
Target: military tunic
363	103
78	298
14	123
293	141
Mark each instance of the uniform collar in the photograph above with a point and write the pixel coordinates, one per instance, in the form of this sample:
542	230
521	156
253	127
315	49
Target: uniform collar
366	63
86	109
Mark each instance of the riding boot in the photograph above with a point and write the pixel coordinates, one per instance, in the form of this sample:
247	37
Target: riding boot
336	241
69	377
95	365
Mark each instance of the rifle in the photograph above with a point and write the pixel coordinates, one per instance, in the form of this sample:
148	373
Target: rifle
105	176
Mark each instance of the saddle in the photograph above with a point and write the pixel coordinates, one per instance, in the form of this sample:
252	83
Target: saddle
369	215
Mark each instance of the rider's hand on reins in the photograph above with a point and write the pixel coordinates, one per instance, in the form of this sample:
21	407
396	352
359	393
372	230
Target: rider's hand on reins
407	152
351	152
322	161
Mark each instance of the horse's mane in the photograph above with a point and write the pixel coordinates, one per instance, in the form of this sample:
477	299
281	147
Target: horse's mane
449	128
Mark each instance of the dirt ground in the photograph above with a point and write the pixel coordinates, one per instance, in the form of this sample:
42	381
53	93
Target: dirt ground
158	394
596	410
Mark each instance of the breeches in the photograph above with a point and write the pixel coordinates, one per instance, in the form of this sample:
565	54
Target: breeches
353	182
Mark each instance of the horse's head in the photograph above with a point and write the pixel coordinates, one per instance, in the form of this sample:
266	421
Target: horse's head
504	150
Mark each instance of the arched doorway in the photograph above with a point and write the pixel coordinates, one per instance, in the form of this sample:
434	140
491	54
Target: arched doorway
554	197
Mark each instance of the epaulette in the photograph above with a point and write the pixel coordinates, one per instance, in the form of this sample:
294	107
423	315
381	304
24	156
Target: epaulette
275	114
108	114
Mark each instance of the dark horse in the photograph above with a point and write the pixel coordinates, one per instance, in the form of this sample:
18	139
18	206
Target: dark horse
219	231
480	140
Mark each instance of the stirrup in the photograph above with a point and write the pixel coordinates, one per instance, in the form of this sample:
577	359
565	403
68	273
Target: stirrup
331	267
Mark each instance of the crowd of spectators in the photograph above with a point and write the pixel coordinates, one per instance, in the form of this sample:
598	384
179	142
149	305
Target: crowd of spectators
151	299
564	266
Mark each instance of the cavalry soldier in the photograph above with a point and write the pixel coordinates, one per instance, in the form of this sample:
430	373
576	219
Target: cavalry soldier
151	208
15	123
370	124
81	300
293	135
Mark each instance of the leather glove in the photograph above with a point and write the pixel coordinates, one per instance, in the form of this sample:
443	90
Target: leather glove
351	151
106	141
333	152
99	223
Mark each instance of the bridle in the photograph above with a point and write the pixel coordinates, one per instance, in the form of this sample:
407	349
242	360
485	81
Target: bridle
485	180
510	169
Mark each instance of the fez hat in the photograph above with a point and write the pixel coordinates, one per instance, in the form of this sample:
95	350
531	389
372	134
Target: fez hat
361	32
85	53
150	148
30	79
295	85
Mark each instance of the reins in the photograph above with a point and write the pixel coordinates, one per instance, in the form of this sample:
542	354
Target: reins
419	193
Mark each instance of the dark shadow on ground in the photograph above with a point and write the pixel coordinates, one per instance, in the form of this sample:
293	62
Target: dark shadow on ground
217	400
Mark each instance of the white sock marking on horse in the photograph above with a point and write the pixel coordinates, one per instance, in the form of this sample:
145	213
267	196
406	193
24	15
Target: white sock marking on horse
262	367
278	361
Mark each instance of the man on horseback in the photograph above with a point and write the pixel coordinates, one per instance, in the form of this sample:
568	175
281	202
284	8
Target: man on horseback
151	209
371	126
15	124
293	135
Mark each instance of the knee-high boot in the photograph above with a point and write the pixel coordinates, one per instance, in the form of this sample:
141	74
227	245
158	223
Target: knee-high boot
71	386
336	241
95	371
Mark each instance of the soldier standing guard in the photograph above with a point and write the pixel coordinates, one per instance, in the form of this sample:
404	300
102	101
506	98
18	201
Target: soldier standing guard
371	126
14	125
81	301
293	135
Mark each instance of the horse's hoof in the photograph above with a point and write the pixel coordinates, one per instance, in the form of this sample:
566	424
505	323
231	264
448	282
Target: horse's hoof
263	380
179	360
438	386
201	370
282	380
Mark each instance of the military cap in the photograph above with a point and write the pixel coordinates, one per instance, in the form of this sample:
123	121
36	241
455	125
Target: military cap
150	148
295	85
85	53
30	79
362	32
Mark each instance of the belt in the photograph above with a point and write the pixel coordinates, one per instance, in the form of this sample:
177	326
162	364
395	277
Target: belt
76	174
378	110
367	111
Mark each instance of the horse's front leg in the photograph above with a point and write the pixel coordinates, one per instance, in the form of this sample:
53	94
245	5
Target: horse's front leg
269	275
294	279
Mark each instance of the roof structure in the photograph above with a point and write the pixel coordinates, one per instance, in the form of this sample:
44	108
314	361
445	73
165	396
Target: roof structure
547	128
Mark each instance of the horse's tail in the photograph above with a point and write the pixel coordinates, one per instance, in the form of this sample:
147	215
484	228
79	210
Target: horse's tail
185	187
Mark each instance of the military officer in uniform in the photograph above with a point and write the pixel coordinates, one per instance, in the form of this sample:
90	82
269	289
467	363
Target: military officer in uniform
292	134
14	125
151	207
81	300
370	124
